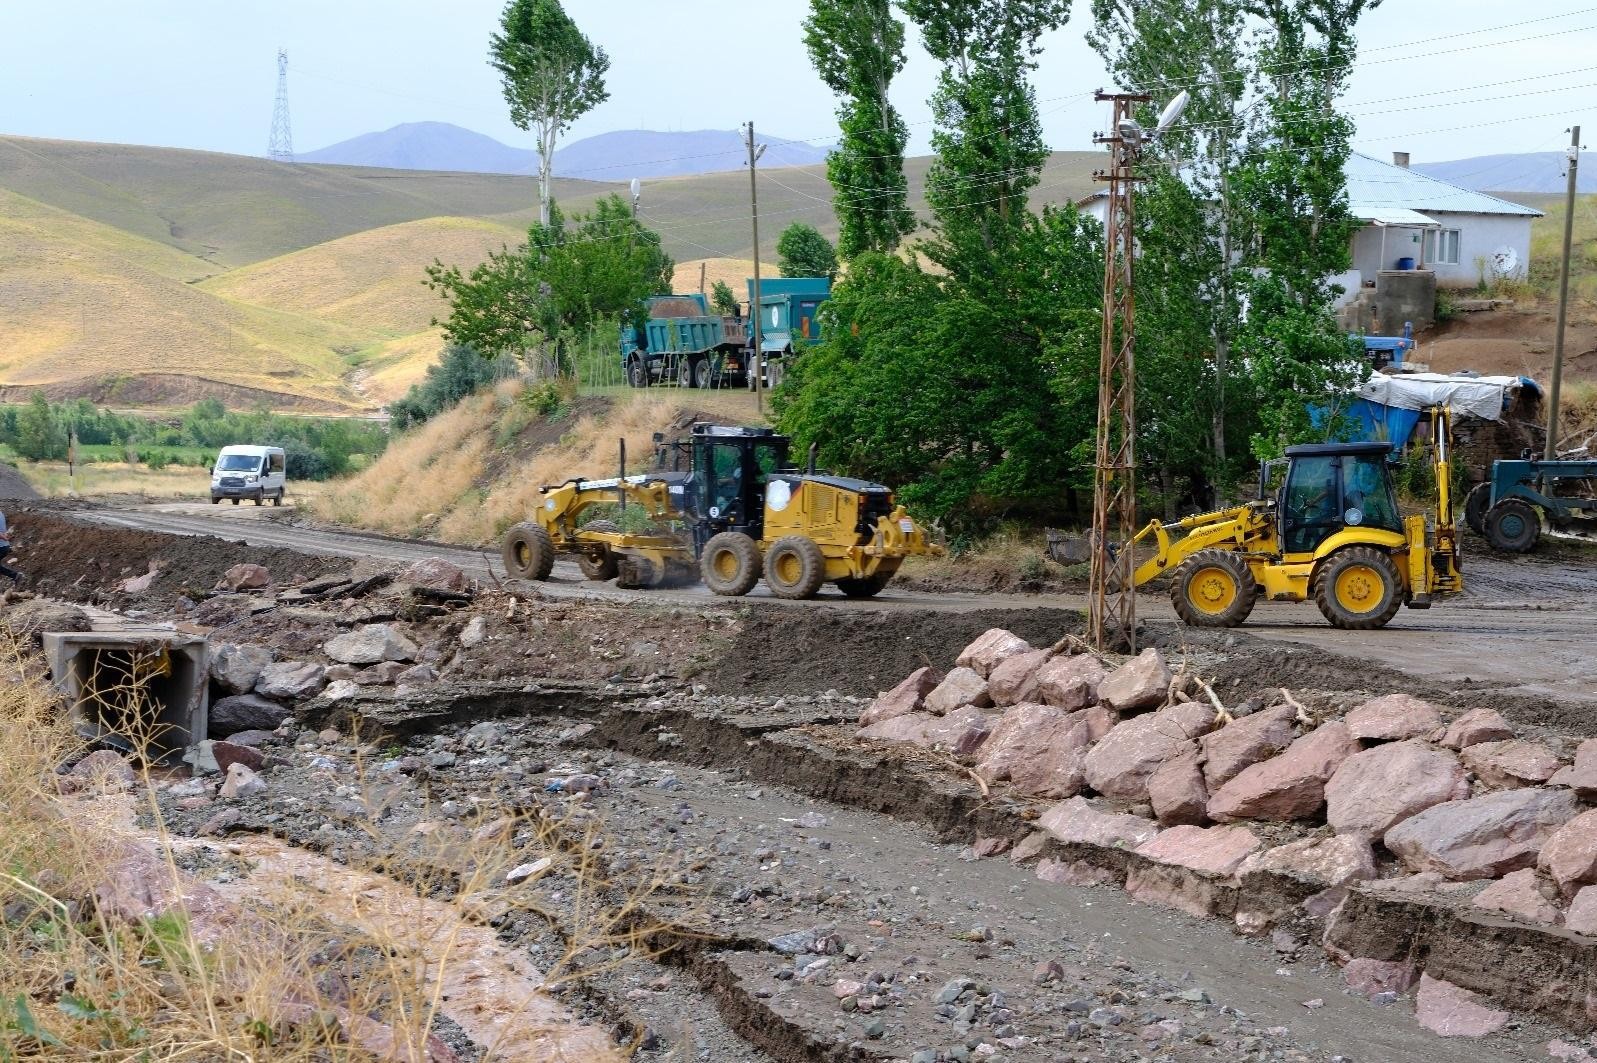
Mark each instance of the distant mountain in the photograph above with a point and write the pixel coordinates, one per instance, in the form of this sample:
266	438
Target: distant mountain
618	156
1541	171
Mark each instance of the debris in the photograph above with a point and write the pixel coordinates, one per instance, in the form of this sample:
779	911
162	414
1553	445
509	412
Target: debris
1290	785
1177	792
1246	741
522	872
236	667
474	633
242	782
1582	775
1214	850
245	712
962	686
1570	855
1014	679
1070	682
290	679
1514	762
1120	765
370	644
991	648
908	696
1519	893
1076	820
1327	862
1477	725
436	573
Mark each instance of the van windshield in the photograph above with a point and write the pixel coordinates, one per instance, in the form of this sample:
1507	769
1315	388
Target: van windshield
239	463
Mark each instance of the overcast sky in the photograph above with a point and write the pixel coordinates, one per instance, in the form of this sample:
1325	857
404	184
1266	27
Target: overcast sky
1443	79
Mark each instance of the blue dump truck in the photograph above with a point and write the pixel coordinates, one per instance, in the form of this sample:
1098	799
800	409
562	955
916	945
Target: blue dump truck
683	342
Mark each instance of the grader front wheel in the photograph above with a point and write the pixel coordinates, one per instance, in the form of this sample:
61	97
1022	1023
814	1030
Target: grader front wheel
529	553
1213	588
1358	589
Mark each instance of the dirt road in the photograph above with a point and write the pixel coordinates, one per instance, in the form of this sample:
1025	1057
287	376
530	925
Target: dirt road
1525	626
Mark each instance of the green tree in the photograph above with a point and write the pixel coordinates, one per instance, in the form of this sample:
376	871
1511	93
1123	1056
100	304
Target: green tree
722	299
567	278
551	76
459	372
801	251
857	47
40	436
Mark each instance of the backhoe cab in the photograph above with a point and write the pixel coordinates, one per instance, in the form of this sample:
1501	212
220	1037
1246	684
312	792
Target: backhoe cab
1331	532
744	512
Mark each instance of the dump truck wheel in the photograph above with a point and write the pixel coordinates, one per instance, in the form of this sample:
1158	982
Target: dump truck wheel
794	567
1358	589
637	372
529	552
1213	588
1513	525
865	586
703	374
730	564
603	566
1475	507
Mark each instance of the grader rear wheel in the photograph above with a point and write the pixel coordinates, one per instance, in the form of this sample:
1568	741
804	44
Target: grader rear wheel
730	564
601	565
1358	589
529	553
794	567
1213	588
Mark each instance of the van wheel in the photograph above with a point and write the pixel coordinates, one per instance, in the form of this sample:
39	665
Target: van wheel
235	501
260	499
214	500
277	499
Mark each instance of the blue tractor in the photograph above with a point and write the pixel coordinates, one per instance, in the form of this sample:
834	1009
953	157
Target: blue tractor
1508	507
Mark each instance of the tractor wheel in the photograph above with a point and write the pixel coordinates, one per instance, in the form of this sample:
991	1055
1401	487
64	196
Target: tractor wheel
1513	525
603	565
529	553
1358	589
794	567
730	564
1475	507
1213	588
637	372
865	586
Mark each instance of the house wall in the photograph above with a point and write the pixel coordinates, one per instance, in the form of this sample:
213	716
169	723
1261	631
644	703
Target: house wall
1482	235
1370	258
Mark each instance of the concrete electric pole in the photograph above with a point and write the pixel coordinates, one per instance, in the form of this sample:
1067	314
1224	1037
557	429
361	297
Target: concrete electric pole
1550	452
754	307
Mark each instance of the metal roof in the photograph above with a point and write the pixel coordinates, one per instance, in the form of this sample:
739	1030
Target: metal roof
1396	216
1313	450
1373	185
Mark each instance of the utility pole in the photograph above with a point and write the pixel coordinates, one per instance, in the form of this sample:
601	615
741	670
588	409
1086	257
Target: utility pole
280	146
1550	452
754	307
1112	616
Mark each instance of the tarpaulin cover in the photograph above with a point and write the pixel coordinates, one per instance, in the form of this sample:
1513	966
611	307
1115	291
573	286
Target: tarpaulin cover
1479	396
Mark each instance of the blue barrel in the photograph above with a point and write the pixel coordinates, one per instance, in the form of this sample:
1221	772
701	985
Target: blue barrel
1405	263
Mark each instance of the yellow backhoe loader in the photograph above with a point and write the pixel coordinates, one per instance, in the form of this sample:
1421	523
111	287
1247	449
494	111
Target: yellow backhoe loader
1332	532
745	512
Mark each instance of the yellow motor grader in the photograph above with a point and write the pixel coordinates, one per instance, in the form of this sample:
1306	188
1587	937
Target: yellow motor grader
1332	532
745	512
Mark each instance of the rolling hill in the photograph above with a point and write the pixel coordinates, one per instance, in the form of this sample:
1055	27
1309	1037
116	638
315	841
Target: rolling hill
1533	172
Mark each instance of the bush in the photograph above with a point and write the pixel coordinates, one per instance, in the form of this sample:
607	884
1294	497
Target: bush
460	372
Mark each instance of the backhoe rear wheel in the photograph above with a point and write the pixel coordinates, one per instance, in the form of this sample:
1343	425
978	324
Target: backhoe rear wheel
1475	507
1213	588
1513	525
730	564
602	565
864	586
529	552
1358	589
794	567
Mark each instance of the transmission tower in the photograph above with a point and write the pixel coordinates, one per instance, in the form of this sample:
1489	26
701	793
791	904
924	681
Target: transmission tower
1112	619
281	146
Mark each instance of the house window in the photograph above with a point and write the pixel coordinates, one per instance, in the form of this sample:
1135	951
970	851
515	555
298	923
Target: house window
1441	247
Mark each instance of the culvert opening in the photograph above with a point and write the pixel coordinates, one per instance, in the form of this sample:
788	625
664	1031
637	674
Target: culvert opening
146	695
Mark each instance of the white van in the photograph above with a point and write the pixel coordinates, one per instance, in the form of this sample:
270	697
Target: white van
249	472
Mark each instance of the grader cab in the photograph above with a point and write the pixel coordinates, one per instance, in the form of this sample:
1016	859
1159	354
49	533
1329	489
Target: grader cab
739	511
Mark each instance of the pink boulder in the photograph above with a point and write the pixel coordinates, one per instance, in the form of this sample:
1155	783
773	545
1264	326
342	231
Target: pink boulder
1374	790
1289	786
1244	742
1446	1009
910	727
1570	855
1520	894
245	576
962	731
1076	821
1483	837
1582	914
1582	775
1193	719
1212	850
1120	765
1070	682
960	687
1477	725
1039	748
1177	793
908	696
1393	718
1515	762
1014	679
1368	977
1328	862
1141	683
991	648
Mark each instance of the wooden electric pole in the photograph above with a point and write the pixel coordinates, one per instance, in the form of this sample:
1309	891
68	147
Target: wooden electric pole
1112	615
754	307
1550	452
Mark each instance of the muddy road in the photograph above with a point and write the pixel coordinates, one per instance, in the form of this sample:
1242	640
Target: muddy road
1524	627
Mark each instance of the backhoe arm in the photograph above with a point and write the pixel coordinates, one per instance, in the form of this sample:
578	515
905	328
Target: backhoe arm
1231	527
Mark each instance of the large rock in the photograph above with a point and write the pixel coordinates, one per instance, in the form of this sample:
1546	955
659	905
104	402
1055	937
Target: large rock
436	573
962	731
226	754
1444	1008
106	770
1070	682
291	679
1325	862
1289	786
1375	790
1177	793
1141	683
245	712
991	648
1515	762
1193	719
1246	741
1582	775
1582	914
1212	850
241	782
1477	725
962	686
370	644
1041	749
1120	765
908	696
1076	821
236	667
1014	680
245	577
1483	837
1520	894
1570	855
1393	718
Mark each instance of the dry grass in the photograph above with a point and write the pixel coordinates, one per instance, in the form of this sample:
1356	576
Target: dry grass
389	369
1578	416
50	479
734	271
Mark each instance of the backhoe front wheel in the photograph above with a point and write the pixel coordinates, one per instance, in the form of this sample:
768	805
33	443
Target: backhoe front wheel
1213	588
529	552
730	564
794	567
1513	525
1358	589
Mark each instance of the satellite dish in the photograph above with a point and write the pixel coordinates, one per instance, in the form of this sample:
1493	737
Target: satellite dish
1505	261
1172	111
